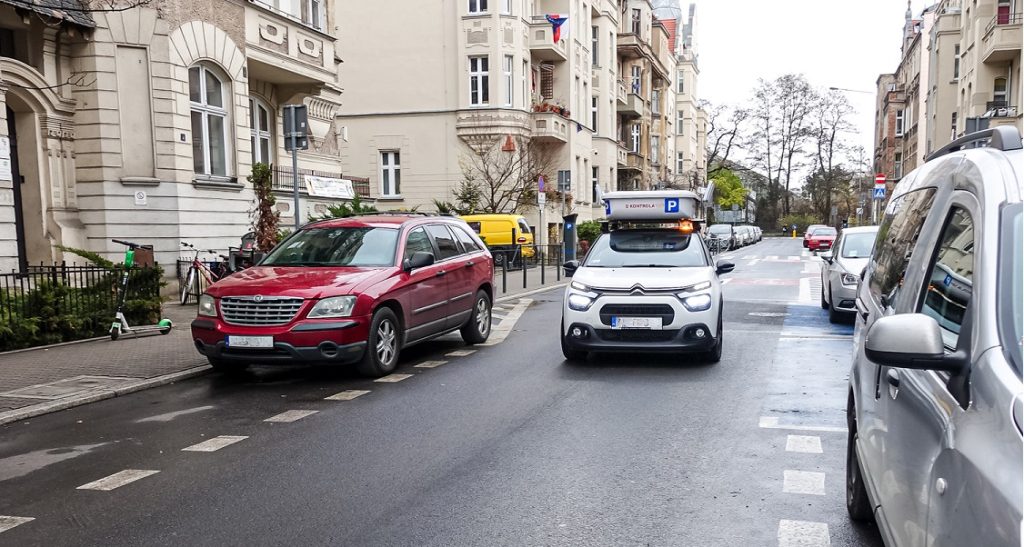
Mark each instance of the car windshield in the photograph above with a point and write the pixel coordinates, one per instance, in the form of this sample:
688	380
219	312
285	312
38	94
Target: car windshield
858	245
347	246
824	232
720	229
1011	279
646	249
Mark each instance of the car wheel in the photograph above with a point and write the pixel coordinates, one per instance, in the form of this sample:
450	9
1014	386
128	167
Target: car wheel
382	345
478	326
857	503
715	355
227	367
499	258
824	303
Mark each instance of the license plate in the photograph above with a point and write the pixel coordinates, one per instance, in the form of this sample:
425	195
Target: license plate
636	323
256	342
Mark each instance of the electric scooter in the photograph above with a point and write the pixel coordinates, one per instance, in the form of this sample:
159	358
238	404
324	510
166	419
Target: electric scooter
120	325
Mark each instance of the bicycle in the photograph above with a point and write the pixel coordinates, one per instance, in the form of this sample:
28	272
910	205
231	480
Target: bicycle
198	273
120	325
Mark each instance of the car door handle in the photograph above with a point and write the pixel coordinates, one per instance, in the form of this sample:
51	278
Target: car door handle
440	273
893	378
470	264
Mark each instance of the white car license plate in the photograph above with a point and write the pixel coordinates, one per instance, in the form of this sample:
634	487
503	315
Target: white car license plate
256	342
636	323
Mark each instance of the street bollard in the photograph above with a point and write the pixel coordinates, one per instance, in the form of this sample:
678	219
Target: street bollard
522	262
558	264
543	265
504	274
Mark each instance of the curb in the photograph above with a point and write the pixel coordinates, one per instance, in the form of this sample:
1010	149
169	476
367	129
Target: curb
70	402
530	293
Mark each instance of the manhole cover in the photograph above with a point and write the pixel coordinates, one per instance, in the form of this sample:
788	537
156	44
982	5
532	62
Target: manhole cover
68	387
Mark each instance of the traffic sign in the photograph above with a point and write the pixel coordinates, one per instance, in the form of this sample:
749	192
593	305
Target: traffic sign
879	193
880	179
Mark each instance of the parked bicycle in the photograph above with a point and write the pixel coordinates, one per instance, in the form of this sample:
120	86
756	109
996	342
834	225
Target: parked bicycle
199	274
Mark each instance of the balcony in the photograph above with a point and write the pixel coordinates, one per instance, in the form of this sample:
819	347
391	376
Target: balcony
633	106
620	92
542	44
634	162
284	180
480	127
999	109
1001	41
550	128
283	50
622	155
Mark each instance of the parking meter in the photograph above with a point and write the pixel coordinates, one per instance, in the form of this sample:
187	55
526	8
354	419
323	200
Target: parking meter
569	236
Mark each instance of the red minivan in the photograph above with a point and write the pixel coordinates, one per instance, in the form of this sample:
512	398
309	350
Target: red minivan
353	290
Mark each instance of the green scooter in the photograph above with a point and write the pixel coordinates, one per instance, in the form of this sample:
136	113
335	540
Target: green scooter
120	325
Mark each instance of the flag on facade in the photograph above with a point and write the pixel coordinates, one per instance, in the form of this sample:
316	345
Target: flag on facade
578	127
556	26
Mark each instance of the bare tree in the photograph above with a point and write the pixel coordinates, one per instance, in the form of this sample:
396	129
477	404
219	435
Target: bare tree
723	135
832	119
506	181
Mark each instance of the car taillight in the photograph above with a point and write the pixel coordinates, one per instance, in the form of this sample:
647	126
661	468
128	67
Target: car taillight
521	240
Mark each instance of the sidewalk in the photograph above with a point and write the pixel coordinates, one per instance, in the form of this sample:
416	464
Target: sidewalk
43	380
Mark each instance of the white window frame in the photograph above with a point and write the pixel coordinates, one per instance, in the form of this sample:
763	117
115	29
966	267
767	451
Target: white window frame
595	58
317	13
257	134
477	7
680	162
594	173
680	119
207	111
956	61
655	148
635	21
900	120
506	7
656	101
391	163
593	113
508	62
897	165
1005	93
680	81
526	84
634	133
478	72
636	79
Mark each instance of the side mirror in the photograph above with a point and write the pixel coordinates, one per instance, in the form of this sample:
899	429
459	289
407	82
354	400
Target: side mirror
570	267
418	260
827	256
724	267
909	340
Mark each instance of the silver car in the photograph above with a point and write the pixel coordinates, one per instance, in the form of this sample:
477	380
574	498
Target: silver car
840	274
935	418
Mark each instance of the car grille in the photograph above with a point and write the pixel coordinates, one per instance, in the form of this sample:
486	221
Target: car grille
636	335
246	310
664	311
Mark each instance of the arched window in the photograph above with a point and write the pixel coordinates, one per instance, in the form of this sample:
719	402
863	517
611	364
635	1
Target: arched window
209	98
260	124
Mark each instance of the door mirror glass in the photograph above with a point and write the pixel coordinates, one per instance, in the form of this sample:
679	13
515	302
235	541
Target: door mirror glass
724	267
908	340
570	267
418	260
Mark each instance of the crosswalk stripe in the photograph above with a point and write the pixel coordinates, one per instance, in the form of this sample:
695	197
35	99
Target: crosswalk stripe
802	533
430	364
805	444
393	378
214	444
803	482
347	395
461	353
118	479
290	416
7	522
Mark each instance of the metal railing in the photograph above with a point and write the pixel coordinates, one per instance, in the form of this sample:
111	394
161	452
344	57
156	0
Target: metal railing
1001	20
528	265
283	180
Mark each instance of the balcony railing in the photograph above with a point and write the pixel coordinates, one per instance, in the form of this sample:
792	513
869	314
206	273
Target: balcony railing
313	21
999	109
283	181
621	92
1003	19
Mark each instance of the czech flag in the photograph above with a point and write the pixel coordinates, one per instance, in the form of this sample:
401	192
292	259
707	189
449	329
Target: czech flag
556	26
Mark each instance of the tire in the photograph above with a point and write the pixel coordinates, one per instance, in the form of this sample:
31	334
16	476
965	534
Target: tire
114	333
858	505
824	304
382	345
227	367
715	355
478	326
499	258
186	287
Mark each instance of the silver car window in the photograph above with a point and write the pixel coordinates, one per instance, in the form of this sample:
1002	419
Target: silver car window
949	287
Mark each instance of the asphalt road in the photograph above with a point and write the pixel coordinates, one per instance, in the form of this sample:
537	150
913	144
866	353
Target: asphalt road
508	445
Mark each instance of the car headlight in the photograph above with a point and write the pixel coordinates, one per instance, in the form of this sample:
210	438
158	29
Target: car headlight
700	302
579	286
335	306
850	279
580	302
702	286
207	306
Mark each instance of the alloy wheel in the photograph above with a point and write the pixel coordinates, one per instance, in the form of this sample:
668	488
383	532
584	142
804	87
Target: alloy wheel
483	317
385	342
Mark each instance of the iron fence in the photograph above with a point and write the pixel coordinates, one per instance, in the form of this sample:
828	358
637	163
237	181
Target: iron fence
284	180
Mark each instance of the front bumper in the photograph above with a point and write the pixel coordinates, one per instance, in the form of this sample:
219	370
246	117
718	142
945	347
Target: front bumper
844	297
340	341
635	340
680	334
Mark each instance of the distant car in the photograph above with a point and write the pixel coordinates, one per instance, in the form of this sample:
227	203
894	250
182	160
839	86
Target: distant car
810	230
841	272
935	418
725	234
758	233
507	236
821	239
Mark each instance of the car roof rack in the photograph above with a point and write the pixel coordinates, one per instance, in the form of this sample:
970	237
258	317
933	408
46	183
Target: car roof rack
1004	137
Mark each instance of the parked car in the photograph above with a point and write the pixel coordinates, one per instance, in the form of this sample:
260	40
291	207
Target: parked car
822	239
355	290
840	275
935	416
810	230
726	234
758	234
508	237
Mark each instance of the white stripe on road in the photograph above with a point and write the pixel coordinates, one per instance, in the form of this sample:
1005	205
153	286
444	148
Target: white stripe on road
806	444
461	352
118	480
214	444
392	378
172	415
6	522
290	416
802	533
803	482
347	395
430	364
805	289
772	422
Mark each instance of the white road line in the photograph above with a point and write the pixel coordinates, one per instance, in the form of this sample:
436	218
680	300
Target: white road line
430	364
772	422
392	378
793	258
461	352
6	522
290	416
803	482
214	444
806	444
802	533
118	480
805	289
172	415
347	395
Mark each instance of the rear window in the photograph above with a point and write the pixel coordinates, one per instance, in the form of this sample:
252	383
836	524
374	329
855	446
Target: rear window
523	226
858	245
1011	284
824	232
720	229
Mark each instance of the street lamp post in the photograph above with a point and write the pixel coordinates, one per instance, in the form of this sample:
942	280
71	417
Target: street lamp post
834	88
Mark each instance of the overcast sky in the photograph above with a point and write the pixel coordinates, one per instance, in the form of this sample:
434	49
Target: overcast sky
833	43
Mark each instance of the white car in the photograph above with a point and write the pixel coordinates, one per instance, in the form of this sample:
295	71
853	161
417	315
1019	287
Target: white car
840	274
647	285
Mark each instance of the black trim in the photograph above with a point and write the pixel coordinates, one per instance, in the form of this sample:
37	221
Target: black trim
204	324
285	354
331	325
428	308
681	342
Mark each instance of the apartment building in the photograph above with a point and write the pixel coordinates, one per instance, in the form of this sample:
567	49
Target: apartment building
890	107
691	119
143	124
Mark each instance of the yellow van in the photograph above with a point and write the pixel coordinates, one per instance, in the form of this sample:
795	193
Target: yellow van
505	235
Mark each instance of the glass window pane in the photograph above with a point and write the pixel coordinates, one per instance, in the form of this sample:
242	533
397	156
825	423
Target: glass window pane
385	179
949	288
395	155
256	157
398	181
264	119
897	236
218	146
265	150
444	240
214	92
484	91
198	146
252	114
417	242
194	93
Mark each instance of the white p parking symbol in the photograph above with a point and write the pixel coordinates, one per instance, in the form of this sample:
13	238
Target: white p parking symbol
671	205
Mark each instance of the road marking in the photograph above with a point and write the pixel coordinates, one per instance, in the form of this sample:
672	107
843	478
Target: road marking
6	522
462	352
214	444
797	335
803	482
767	314
806	444
811	268
430	364
172	415
392	378
772	422
805	289
290	416
802	533
347	395
118	480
